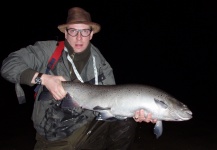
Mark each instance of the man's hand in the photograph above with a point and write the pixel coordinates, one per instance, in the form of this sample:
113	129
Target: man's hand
54	85
141	117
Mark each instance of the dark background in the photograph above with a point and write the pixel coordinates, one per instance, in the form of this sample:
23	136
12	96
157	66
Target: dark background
167	44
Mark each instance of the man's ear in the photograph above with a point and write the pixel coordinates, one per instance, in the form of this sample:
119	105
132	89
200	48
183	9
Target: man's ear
91	35
65	34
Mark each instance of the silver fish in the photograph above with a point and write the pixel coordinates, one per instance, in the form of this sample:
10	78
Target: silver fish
122	101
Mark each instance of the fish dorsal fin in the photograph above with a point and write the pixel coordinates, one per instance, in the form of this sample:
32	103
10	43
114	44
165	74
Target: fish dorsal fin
76	81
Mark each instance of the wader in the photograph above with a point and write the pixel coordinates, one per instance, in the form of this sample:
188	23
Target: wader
97	135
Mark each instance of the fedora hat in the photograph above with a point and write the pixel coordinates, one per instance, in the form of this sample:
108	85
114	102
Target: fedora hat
77	15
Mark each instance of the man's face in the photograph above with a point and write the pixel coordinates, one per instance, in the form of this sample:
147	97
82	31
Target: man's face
78	36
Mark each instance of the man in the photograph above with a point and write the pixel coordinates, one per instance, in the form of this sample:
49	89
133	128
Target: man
74	128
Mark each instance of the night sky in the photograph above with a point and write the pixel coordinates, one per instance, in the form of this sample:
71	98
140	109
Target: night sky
167	44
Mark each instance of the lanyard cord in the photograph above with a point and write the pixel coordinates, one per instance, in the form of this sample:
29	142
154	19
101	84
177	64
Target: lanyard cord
95	71
76	71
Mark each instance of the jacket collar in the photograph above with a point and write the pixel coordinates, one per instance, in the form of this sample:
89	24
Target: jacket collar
83	56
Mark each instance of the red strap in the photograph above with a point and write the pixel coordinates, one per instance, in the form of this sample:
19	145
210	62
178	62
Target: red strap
52	61
55	56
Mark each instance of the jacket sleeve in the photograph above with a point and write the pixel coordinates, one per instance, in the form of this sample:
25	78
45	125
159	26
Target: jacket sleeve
33	57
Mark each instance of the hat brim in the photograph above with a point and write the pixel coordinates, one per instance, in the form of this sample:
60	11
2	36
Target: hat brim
95	26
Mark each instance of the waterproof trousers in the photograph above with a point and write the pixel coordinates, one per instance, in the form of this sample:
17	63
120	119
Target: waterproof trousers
97	135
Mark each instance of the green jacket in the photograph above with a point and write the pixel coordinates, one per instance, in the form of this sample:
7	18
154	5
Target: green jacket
49	120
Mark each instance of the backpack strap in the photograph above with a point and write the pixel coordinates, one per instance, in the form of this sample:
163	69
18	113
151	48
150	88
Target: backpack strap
52	61
55	56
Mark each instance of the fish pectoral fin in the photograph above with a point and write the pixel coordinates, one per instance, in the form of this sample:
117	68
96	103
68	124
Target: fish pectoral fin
158	129
109	119
99	108
105	115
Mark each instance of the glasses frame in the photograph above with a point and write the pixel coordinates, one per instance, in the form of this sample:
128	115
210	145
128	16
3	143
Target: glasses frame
78	30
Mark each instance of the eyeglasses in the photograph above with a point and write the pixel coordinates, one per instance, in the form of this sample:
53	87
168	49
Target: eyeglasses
74	32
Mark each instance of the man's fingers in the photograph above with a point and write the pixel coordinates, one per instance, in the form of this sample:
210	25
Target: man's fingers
141	116
59	93
62	78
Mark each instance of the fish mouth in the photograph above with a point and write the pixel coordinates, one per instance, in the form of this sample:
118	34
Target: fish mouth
186	115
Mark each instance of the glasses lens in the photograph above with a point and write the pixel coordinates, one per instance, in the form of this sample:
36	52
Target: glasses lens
85	32
74	32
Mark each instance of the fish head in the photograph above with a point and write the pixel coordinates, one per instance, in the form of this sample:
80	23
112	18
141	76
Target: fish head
170	109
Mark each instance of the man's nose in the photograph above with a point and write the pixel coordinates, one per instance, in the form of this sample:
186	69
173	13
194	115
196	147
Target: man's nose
79	36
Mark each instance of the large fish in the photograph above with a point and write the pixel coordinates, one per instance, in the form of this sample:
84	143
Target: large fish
122	101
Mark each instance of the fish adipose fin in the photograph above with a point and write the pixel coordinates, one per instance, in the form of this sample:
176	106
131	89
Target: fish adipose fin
158	129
